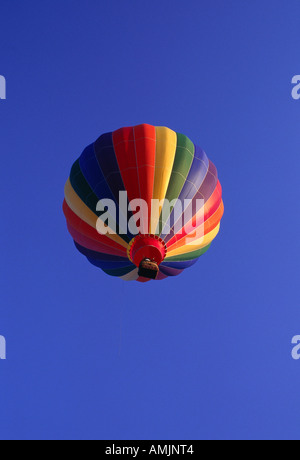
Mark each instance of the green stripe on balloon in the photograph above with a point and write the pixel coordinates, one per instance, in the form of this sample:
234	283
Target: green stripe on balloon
188	255
184	156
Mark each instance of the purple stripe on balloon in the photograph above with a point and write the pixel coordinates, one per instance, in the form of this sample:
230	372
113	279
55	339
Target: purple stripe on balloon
205	191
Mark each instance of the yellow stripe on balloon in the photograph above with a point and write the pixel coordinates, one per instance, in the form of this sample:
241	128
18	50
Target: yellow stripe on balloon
195	245
166	142
81	210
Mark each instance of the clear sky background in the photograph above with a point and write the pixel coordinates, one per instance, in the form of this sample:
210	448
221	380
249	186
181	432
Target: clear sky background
206	355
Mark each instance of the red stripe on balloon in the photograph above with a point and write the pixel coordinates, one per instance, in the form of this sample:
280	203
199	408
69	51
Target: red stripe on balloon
86	231
92	244
124	146
135	153
145	146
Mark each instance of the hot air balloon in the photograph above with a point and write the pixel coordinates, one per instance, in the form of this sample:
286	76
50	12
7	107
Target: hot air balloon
143	203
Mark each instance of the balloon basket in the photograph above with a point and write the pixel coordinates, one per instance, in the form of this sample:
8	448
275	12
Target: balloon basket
148	269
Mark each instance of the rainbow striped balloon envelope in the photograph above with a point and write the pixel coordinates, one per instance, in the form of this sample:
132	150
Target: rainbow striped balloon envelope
143	203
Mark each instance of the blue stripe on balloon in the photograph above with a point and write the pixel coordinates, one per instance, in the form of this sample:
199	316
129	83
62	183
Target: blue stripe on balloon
96	179
111	265
93	174
105	155
108	164
181	265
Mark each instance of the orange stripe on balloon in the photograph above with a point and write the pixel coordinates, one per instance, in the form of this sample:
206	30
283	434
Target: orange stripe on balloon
210	208
206	227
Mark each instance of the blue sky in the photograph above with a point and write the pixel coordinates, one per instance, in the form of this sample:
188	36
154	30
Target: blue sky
206	355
